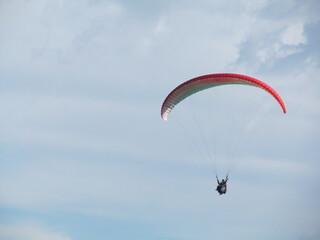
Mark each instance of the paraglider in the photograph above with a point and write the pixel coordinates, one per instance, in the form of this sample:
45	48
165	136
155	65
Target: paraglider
198	84
204	82
222	186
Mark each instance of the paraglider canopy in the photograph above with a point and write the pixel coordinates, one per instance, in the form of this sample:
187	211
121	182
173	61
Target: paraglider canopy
197	84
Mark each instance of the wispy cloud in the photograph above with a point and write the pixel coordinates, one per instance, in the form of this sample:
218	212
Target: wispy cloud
29	232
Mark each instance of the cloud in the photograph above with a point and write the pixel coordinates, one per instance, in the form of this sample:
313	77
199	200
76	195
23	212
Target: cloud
278	38
293	35
29	232
73	123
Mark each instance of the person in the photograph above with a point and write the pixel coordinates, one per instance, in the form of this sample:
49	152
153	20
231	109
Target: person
222	186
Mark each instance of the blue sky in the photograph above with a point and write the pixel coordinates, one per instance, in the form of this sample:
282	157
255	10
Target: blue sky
84	153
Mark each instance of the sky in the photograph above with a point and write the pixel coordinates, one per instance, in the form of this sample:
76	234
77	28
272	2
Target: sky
84	153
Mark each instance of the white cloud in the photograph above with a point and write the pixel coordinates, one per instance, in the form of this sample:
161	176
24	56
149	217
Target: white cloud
288	43
278	167
61	122
28	232
294	35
